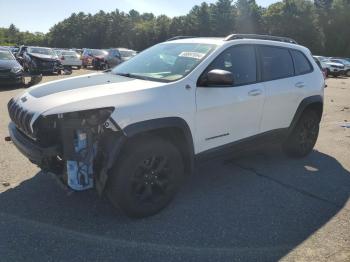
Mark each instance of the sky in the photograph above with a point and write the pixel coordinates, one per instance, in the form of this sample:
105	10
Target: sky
41	15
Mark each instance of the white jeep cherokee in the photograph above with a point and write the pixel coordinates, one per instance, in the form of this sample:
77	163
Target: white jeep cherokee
136	131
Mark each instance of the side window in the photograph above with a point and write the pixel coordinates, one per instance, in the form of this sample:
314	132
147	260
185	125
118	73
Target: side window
240	61
301	63
276	63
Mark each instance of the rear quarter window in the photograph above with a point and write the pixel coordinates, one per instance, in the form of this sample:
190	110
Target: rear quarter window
301	63
276	63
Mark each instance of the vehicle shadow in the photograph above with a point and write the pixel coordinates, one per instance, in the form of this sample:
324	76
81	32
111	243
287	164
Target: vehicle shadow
253	208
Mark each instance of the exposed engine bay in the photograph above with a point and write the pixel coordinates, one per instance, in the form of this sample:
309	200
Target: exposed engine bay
76	146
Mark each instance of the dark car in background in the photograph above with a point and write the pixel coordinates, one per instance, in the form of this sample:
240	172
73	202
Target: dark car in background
94	58
11	72
39	60
118	55
126	54
113	58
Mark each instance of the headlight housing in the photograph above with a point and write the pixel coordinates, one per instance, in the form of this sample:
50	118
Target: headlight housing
77	119
90	117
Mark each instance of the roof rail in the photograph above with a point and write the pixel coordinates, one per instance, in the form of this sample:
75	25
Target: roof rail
180	37
262	37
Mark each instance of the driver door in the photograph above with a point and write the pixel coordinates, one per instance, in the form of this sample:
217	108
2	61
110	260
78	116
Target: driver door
230	113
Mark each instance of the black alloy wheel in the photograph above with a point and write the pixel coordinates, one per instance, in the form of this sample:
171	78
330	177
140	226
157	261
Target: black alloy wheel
146	176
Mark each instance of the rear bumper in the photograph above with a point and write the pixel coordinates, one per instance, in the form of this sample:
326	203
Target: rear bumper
29	148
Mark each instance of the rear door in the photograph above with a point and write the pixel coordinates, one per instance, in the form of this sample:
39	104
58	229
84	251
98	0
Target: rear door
228	114
283	90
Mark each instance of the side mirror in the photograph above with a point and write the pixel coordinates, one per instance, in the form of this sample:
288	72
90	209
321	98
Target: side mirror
218	77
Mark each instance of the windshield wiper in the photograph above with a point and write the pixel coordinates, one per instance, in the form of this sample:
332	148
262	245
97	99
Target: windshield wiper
131	75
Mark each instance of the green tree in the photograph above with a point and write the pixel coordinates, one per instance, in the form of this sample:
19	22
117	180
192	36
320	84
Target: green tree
296	19
249	17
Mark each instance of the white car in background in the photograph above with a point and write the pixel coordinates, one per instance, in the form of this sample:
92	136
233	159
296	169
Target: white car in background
333	69
346	64
69	58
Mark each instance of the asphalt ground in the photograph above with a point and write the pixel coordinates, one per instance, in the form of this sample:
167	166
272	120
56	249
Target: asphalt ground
258	206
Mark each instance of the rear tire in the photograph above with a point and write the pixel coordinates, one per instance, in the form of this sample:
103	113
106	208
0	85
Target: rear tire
304	136
146	177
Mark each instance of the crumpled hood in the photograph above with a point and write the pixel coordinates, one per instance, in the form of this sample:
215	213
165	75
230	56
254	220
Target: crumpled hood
82	93
43	57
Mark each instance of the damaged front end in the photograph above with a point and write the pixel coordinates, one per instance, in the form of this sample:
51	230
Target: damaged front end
38	65
78	147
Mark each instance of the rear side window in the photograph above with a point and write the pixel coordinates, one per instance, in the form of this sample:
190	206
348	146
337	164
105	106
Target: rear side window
301	63
276	63
240	61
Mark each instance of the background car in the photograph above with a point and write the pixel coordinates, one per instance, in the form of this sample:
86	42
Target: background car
113	58
333	69
118	55
69	58
94	58
344	62
39	60
126	54
11	72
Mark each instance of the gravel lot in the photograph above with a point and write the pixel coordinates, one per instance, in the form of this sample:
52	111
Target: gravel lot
261	206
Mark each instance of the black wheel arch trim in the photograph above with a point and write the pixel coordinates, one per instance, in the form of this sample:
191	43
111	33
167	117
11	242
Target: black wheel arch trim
306	102
159	123
139	128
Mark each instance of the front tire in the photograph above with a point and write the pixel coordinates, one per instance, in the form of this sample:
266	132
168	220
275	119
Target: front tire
146	177
304	136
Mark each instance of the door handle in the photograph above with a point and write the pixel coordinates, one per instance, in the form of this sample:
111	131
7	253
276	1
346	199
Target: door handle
254	92
300	84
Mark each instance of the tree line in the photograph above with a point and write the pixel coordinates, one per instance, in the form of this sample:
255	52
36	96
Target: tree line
321	25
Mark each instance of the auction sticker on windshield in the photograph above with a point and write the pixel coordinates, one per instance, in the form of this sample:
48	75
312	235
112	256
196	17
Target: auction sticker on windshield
195	55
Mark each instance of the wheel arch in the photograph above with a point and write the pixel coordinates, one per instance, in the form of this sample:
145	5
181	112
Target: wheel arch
314	103
173	129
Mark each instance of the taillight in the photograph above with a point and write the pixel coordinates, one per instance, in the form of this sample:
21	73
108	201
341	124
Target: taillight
62	57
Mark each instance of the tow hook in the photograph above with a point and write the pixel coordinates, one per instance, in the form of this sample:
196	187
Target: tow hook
8	139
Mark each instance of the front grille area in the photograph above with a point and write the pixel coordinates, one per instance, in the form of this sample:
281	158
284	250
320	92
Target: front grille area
20	117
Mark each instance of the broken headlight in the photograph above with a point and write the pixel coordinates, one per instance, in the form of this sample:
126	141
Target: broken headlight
92	117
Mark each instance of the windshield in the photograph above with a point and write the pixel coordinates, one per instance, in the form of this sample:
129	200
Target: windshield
127	53
6	55
97	52
41	51
165	62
